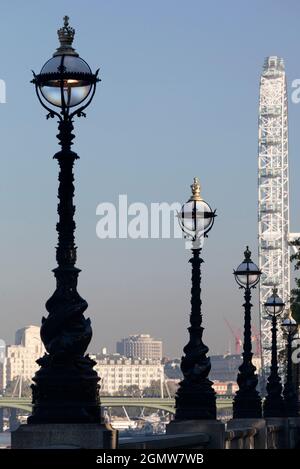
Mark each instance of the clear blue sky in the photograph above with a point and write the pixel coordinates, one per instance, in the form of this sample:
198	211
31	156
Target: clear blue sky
178	98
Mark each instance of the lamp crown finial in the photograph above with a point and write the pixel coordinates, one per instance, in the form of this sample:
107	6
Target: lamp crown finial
196	188
66	36
247	253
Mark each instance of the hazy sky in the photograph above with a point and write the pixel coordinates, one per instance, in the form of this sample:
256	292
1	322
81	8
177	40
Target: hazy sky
178	98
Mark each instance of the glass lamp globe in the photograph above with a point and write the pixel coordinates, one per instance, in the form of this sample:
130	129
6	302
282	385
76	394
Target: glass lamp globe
274	304
247	274
289	324
65	80
196	216
296	336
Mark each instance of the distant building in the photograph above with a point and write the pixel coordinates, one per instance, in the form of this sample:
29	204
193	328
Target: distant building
20	359
225	387
2	350
29	338
222	388
224	367
141	346
117	372
2	358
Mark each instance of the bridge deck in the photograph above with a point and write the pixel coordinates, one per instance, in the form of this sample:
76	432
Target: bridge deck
149	402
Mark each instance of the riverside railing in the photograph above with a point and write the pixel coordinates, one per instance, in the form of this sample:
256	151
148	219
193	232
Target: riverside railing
269	434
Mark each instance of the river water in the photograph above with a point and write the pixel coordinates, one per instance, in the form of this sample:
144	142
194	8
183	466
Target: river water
4	440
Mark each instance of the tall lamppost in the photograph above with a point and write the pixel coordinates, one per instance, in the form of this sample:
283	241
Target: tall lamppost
295	344
65	388
290	396
195	398
247	401
273	404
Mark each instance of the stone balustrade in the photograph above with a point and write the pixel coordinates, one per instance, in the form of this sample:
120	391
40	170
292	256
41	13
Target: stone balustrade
237	434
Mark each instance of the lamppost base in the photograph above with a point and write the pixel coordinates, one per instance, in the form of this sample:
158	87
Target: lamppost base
65	392
274	408
214	428
64	436
196	401
247	406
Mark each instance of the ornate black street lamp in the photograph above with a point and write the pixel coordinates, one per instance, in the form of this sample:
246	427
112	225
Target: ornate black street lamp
290	396
295	344
273	404
247	401
196	399
65	388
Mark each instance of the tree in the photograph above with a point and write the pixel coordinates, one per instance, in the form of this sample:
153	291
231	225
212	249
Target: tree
129	391
295	292
295	302
154	390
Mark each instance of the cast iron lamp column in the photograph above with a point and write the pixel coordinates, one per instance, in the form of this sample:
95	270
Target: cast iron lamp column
295	344
273	404
195	398
65	388
289	390
247	401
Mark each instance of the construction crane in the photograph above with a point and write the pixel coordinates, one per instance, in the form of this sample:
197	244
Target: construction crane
237	337
256	340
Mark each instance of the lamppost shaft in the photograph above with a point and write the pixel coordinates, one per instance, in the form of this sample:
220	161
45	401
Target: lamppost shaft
247	401
297	373
247	352
66	249
196	398
66	388
196	302
273	404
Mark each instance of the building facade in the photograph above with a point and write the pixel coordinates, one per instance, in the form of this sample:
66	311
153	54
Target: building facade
20	358
226	367
118	372
222	388
225	388
2	350
141	346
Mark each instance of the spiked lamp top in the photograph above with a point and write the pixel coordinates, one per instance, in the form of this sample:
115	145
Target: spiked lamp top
196	188
66	36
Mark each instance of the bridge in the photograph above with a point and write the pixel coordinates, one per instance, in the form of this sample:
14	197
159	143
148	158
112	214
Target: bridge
165	404
260	434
